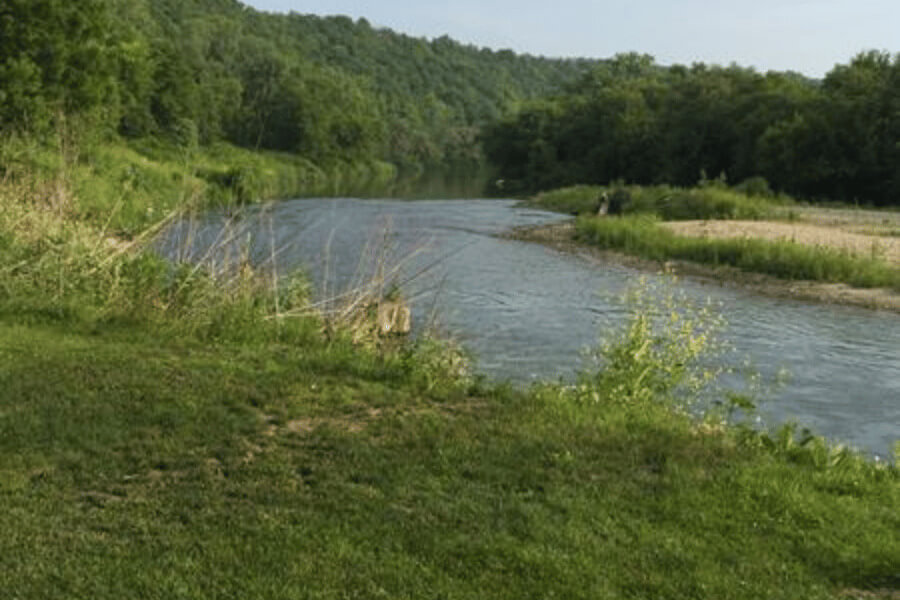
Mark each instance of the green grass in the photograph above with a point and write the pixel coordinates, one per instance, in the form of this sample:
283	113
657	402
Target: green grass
162	436
642	236
577	199
712	201
127	187
140	465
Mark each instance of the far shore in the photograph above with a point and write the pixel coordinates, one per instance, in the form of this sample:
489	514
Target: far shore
561	236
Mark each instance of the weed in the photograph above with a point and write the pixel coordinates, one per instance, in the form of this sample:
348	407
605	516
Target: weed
659	354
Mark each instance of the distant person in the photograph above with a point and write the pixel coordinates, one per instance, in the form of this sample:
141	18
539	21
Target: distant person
602	205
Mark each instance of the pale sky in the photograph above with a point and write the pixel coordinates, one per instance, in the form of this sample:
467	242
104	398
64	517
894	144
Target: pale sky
809	36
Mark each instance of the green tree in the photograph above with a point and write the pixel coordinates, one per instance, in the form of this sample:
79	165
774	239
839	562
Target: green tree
56	57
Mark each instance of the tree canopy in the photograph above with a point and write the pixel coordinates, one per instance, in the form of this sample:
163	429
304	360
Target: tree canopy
630	119
199	71
331	88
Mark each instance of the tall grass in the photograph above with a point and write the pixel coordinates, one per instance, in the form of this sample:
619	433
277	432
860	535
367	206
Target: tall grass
62	264
710	202
667	202
642	236
128	187
577	199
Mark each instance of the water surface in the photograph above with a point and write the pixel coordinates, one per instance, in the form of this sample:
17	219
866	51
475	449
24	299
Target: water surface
527	312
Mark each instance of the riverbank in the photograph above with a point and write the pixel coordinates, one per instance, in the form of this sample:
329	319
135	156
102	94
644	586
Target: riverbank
562	236
855	243
128	187
184	431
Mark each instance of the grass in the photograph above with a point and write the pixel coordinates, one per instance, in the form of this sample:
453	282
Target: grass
163	436
140	465
642	236
128	187
711	201
637	232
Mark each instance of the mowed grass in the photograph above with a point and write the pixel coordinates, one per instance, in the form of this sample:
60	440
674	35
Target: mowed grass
642	236
132	466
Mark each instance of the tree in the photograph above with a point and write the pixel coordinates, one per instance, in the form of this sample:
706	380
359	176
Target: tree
56	57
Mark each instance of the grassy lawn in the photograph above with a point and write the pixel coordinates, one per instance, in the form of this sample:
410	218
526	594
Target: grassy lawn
137	467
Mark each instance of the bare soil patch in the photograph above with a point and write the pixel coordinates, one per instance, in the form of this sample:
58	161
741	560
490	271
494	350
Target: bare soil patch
872	222
884	247
561	236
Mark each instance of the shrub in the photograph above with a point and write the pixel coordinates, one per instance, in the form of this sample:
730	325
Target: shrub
710	201
659	354
579	199
755	187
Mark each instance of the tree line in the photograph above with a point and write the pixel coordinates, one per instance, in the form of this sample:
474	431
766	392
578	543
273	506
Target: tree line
201	71
633	120
330	88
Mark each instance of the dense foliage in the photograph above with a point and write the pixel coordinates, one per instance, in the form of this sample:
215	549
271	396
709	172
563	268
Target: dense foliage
55	57
200	71
332	89
631	119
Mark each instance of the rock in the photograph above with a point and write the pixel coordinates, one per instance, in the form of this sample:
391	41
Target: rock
393	317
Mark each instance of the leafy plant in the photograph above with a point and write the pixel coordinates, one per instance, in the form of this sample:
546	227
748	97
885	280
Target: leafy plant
663	353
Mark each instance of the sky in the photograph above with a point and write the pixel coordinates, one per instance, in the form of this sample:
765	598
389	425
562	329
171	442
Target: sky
808	36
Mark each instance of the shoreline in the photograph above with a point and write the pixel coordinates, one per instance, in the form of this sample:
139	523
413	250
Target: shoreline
560	236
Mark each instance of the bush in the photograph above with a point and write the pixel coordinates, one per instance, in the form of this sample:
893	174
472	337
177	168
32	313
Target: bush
710	202
575	200
659	354
755	187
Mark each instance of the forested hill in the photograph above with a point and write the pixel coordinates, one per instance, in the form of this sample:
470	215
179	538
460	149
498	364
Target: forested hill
206	70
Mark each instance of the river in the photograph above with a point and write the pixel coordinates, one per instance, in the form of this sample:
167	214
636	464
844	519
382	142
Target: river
527	312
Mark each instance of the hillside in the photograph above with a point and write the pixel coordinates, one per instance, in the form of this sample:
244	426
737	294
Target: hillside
202	71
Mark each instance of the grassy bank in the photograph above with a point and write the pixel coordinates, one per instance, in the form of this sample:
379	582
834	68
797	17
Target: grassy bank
127	187
138	467
637	231
642	236
165	434
709	201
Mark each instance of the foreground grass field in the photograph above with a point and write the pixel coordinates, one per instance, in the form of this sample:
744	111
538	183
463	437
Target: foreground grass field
138	466
164	434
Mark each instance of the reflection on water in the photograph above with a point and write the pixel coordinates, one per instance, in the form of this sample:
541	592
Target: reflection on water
527	312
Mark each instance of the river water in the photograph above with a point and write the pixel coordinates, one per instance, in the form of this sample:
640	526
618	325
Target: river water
527	312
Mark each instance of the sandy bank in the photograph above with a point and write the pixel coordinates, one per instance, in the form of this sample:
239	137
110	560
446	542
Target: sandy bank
880	246
561	237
